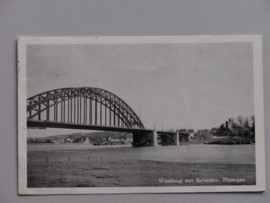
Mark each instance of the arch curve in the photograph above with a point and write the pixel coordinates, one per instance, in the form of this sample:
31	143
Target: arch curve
83	105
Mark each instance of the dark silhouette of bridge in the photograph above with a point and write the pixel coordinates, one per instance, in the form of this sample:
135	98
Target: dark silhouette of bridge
90	109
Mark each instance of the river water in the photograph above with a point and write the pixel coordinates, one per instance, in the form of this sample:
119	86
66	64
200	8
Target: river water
241	154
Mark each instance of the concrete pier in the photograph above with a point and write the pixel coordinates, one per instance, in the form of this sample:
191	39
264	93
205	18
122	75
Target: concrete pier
176	139
153	137
188	138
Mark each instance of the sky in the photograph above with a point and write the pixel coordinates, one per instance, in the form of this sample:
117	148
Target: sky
186	85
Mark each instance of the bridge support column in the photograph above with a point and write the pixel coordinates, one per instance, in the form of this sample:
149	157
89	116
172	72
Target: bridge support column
176	139
188	138
154	138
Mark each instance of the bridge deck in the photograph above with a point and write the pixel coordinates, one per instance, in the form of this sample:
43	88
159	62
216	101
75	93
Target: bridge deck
51	124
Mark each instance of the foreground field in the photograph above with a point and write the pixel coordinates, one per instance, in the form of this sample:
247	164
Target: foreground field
86	166
98	173
116	166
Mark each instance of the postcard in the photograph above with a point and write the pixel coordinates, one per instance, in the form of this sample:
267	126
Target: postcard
140	114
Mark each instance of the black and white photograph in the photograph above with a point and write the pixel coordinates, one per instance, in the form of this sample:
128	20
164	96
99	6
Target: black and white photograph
141	114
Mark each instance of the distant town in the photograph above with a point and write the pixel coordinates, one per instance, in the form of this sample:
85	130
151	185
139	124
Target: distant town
95	138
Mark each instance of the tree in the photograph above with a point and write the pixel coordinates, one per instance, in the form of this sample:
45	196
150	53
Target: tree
246	123
241	120
222	128
252	118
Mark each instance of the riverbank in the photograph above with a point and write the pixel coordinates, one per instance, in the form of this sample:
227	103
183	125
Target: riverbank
98	173
112	166
221	140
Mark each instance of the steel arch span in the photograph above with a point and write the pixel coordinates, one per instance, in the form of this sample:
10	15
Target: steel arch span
82	106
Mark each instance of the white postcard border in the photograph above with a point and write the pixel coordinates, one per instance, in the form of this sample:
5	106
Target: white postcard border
259	112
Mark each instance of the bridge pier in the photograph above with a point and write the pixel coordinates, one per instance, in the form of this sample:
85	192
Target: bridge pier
153	137
188	138
176	139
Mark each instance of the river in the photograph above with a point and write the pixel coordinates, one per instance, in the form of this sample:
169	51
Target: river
241	154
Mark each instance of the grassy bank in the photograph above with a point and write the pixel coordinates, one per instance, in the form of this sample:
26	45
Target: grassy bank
99	173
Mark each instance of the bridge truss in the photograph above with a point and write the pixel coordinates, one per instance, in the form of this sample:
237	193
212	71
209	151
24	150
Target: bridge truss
83	106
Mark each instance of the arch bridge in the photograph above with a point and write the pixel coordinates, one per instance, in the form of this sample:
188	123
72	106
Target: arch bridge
89	108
